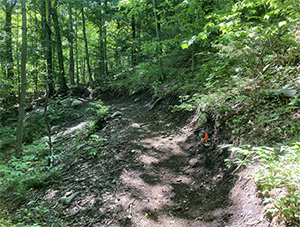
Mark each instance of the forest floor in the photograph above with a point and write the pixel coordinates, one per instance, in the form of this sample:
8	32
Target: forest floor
154	169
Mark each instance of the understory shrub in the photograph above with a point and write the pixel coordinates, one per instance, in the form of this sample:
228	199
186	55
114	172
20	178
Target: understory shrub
277	177
28	171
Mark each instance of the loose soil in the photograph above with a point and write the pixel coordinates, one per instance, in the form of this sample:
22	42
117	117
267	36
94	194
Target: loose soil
153	169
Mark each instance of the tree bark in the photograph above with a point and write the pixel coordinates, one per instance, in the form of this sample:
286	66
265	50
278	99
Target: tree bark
86	50
23	82
48	50
48	129
157	28
105	40
76	51
133	52
71	52
60	58
83	71
8	7
101	55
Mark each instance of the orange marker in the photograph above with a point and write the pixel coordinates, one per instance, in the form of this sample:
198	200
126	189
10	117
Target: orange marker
206	137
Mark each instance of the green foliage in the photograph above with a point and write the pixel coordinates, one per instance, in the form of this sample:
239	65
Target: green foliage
279	182
94	146
34	128
37	214
277	177
247	114
60	110
98	109
7	137
5	223
28	171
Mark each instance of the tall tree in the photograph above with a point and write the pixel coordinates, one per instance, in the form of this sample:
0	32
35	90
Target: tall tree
133	30
157	29
60	57
8	7
86	49
105	40
71	50
76	51
23	81
47	48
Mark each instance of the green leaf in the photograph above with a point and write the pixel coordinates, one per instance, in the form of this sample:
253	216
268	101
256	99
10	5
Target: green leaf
184	45
202	36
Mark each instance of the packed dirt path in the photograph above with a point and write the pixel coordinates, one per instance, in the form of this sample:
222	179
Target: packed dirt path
152	168
161	173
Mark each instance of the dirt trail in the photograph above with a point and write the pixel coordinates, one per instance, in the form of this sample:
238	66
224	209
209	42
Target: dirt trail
166	176
155	170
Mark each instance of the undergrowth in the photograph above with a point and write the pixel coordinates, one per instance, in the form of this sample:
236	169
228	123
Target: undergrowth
277	177
30	171
256	97
255	111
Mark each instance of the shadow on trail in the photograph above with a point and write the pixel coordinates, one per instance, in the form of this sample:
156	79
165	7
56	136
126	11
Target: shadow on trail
154	170
170	178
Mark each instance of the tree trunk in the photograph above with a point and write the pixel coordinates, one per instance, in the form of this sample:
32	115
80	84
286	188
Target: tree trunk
60	58
101	55
9	6
86	50
193	45
105	40
157	28
36	75
23	82
76	51
17	51
83	71
133	52
48	128
71	53
48	50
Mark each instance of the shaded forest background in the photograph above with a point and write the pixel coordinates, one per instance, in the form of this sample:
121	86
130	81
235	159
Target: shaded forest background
244	49
235	62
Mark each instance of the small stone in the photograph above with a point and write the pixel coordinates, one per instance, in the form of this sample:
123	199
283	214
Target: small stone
137	99
66	200
116	114
76	102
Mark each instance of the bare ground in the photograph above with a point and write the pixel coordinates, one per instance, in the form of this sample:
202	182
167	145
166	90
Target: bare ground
155	170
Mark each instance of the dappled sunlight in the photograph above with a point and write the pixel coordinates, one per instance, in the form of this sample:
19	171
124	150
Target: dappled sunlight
84	203
79	126
162	144
146	159
51	193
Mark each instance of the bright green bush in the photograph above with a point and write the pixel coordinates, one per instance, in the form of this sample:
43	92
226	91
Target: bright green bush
279	181
98	109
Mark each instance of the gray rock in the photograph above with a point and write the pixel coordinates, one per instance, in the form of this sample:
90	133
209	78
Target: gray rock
66	102
66	200
76	102
137	99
